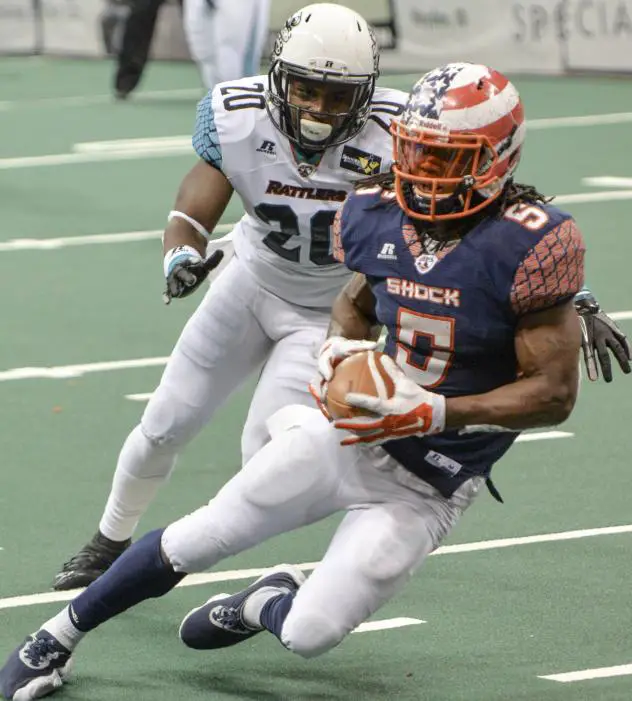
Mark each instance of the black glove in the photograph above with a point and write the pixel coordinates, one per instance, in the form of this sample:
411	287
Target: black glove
600	333
186	270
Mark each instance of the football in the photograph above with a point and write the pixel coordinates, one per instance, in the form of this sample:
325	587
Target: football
353	374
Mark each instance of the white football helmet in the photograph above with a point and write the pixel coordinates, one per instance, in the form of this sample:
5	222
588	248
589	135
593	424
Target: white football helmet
330	44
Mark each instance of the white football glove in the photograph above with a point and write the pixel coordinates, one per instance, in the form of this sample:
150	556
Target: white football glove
411	411
333	351
336	349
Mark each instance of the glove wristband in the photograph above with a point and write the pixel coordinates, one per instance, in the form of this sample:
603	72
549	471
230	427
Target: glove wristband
177	254
438	414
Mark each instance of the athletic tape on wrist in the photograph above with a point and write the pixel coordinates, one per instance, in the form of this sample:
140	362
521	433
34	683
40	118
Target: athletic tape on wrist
175	214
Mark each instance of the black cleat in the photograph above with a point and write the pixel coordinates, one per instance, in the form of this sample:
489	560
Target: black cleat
90	562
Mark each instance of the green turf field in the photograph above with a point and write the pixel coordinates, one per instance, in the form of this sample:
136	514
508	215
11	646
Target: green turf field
496	619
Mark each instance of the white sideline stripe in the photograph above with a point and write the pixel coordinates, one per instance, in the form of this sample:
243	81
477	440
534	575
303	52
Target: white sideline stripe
607	181
543	436
523	438
125	149
53	244
29	244
142	397
160	143
66	371
61	159
62	372
387	624
588	120
230	575
91	239
581	675
82	100
589	197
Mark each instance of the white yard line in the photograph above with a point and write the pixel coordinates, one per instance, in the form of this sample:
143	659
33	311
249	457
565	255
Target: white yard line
387	624
142	397
91	239
607	181
590	197
543	436
62	372
581	675
53	244
588	120
63	159
100	99
230	575
175	144
178	145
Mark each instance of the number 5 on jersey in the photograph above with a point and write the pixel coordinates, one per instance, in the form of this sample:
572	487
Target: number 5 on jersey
440	331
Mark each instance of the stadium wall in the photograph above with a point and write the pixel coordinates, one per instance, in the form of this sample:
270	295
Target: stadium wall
548	36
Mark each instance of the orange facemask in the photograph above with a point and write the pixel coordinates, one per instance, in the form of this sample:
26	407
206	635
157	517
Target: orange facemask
443	170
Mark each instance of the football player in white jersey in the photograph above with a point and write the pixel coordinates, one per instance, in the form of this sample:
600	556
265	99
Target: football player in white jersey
291	144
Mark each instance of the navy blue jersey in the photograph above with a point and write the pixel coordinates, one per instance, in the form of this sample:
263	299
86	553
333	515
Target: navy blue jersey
451	316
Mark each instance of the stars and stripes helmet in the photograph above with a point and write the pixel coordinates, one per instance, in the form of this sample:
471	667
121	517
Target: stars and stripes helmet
457	143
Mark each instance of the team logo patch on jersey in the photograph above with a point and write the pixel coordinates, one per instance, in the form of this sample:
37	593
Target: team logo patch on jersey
268	148
425	263
360	161
305	169
387	252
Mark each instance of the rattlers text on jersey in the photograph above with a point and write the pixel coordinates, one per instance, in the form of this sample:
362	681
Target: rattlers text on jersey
284	238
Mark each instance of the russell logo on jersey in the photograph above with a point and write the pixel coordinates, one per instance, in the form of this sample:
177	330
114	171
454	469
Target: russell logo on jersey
387	252
268	148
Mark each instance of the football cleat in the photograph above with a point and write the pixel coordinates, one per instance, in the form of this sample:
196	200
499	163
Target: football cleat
219	622
90	562
35	669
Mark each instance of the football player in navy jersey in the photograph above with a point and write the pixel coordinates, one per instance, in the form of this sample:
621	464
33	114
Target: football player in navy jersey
473	277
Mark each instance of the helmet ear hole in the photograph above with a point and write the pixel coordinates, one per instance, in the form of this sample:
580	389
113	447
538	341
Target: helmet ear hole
514	158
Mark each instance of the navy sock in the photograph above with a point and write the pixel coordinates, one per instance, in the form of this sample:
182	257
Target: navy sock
139	573
275	611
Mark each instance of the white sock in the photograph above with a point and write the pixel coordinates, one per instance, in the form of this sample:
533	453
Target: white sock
141	470
62	628
251	613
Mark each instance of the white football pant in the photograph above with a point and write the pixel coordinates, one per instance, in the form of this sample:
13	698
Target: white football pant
237	329
226	41
393	521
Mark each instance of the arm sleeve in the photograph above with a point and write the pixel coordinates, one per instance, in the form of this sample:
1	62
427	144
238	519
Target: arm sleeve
205	137
551	272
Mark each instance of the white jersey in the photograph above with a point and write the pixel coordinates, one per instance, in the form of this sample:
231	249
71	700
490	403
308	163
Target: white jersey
284	238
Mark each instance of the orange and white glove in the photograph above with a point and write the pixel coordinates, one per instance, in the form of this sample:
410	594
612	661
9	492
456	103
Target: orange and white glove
411	411
333	351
